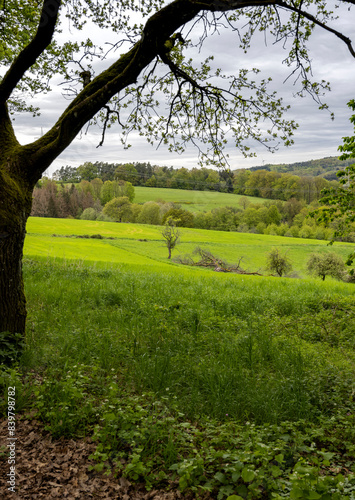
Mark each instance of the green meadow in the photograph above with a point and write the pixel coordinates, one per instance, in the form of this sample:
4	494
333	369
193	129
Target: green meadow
195	201
222	386
143	245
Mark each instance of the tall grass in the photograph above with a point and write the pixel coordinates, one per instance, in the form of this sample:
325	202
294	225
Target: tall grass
220	346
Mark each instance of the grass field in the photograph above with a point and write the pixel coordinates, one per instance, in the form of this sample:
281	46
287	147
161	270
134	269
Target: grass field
195	201
129	245
228	387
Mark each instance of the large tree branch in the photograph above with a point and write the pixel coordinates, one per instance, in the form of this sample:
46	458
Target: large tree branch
110	82
125	71
29	55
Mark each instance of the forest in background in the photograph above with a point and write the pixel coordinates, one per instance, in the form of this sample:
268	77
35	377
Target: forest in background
323	167
114	201
301	181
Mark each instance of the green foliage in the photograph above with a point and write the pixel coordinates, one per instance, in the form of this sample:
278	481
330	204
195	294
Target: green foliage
327	264
89	214
67	404
101	217
171	234
88	171
128	190
183	218
118	209
278	262
324	167
150	213
263	183
340	201
11	346
14	378
127	173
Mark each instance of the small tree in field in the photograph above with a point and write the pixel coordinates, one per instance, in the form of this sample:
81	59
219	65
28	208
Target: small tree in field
278	262
328	264
171	234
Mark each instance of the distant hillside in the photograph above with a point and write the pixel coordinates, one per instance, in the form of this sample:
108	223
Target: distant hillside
324	167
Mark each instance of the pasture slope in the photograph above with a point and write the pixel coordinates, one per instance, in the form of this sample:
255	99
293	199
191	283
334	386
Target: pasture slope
209	385
143	245
195	201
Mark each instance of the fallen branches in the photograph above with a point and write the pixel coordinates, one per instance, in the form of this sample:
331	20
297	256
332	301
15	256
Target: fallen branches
208	260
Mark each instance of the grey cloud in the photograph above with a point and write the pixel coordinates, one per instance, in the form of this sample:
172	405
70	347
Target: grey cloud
316	137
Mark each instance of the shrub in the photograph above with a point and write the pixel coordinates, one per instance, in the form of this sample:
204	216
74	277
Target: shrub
183	218
89	214
271	229
149	213
282	229
260	228
328	264
319	234
295	231
242	228
277	262
103	218
306	232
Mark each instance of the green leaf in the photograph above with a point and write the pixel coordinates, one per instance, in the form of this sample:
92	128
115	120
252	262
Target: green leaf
235	476
110	416
313	495
297	493
220	477
248	475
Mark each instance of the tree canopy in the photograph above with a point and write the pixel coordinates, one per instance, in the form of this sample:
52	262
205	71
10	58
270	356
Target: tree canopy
205	106
339	202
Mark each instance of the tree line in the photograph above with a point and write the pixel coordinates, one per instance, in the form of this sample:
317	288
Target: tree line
323	167
262	183
52	199
114	201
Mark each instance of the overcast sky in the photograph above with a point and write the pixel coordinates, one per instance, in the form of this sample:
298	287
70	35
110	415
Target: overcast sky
317	136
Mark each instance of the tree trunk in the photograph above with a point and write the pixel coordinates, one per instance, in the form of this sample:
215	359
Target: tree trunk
15	207
12	297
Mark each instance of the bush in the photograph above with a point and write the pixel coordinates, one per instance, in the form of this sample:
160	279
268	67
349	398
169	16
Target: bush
260	228
328	264
319	234
149	213
306	232
89	214
183	218
276	262
103	218
282	229
242	228
295	231
271	229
